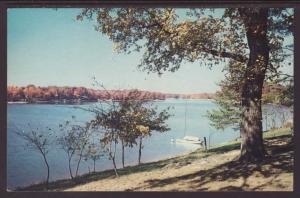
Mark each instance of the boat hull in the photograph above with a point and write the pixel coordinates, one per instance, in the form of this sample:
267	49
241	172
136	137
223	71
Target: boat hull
182	141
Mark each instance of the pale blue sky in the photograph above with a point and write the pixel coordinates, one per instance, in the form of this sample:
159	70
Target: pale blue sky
49	47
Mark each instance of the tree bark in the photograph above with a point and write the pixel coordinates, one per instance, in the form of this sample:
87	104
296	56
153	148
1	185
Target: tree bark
78	163
113	157
94	165
140	150
255	21
115	166
70	169
48	169
123	154
77	167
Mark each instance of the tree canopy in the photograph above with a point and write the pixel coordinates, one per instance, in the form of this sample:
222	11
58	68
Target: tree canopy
205	35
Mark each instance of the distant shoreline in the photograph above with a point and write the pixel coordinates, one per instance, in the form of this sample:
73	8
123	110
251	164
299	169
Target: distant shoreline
65	94
93	101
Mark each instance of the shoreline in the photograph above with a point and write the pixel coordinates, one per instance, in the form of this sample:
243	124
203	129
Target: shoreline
151	168
87	102
111	169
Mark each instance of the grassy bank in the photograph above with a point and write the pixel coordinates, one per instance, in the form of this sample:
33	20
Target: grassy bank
216	169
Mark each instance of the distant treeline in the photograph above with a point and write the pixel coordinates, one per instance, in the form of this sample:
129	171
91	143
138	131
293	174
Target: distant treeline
278	94
32	94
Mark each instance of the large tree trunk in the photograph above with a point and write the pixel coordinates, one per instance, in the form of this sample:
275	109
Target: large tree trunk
255	21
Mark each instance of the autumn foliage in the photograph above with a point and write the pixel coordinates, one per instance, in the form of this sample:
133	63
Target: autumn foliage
33	93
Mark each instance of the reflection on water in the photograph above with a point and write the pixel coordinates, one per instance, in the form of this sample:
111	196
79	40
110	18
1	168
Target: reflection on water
25	167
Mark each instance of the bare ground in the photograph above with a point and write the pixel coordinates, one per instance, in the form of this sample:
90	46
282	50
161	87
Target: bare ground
217	170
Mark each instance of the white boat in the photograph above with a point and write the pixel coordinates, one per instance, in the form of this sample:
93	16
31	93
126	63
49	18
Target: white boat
188	139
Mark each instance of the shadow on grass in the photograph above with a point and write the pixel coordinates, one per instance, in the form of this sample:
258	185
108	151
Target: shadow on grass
225	148
277	162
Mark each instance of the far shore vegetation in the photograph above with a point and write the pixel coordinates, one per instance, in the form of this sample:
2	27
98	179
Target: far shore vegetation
275	93
55	94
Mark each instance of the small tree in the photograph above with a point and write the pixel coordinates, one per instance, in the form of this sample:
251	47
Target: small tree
129	105
83	138
107	122
93	152
126	105
39	141
74	141
109	142
144	132
68	144
138	120
145	120
121	121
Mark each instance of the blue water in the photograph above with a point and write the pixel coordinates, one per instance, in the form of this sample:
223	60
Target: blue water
25	167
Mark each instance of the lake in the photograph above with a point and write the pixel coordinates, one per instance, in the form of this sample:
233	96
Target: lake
25	167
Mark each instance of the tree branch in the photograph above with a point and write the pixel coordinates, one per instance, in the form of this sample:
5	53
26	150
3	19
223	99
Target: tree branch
224	54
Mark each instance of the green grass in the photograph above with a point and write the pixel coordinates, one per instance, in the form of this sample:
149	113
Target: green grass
146	167
277	132
233	145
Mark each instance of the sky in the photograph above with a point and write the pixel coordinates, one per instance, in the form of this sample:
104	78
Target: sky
50	47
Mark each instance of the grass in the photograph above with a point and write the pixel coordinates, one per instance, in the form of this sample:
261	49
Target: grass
232	145
277	132
175	162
